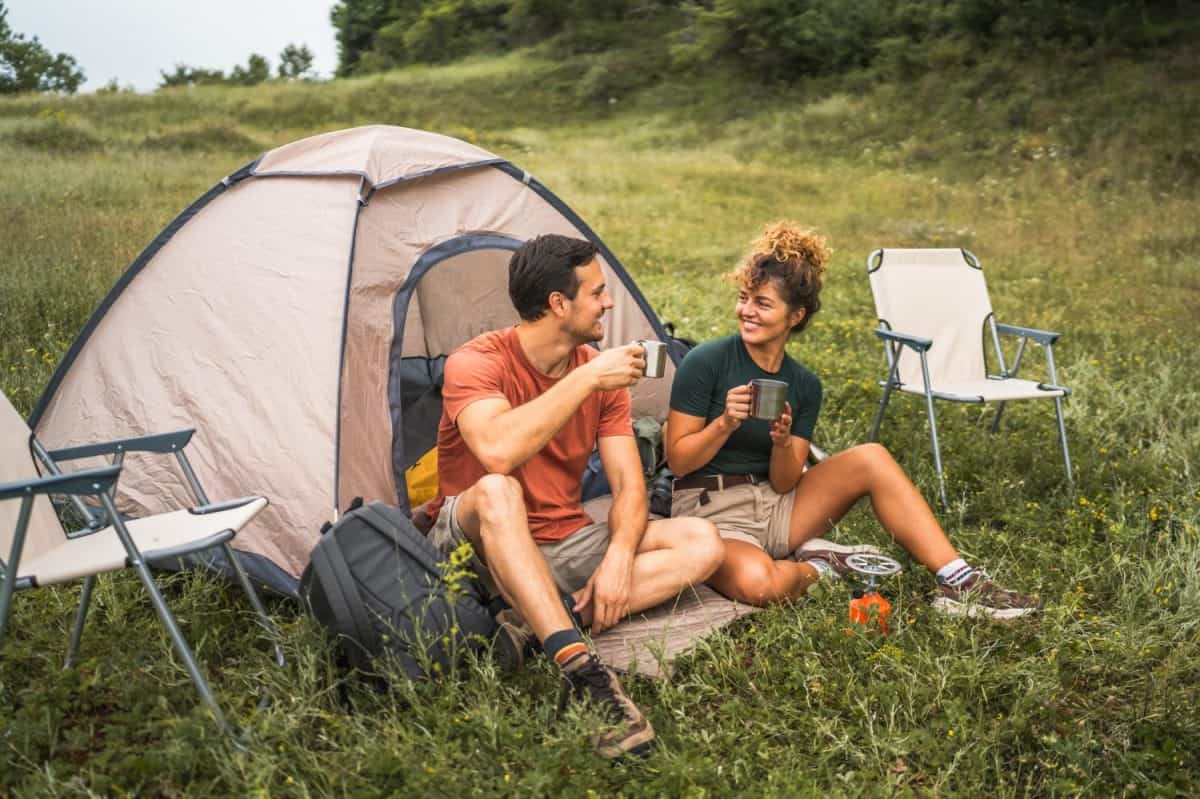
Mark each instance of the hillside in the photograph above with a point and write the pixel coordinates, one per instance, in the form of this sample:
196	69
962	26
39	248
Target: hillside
1074	177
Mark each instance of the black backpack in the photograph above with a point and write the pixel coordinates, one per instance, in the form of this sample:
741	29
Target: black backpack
382	590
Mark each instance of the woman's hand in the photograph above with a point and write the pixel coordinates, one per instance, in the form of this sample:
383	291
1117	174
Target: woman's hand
737	407
781	428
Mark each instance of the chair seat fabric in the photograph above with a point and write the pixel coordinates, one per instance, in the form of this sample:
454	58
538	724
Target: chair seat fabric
986	390
102	551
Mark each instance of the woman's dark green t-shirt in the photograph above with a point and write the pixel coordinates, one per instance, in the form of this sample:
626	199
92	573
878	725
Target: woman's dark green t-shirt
707	374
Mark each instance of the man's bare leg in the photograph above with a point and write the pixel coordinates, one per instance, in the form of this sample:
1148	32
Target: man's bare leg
673	555
492	514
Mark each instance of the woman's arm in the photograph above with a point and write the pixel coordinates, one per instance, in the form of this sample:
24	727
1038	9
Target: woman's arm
690	443
788	454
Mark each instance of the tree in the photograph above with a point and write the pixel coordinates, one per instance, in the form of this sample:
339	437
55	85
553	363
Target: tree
257	70
295	63
190	76
27	66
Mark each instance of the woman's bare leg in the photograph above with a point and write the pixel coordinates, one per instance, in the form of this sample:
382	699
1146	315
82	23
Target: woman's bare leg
749	575
828	490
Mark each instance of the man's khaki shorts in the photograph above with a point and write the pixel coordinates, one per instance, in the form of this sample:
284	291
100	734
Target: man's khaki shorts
753	513
572	561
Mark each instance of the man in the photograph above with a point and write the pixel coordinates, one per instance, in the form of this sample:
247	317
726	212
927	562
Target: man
523	409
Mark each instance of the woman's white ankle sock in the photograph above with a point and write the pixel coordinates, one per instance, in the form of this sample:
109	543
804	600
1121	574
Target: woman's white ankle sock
955	573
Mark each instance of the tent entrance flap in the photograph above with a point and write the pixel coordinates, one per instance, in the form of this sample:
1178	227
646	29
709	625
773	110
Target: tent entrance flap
456	290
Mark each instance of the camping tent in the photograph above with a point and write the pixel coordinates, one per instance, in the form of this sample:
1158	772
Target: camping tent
298	316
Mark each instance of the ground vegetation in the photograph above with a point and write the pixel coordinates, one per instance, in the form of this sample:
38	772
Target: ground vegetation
1072	174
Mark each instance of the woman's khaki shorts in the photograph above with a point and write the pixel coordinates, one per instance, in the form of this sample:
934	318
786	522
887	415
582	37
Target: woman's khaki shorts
753	513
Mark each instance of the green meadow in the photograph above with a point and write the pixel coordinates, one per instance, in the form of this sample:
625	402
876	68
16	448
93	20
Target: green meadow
1075	180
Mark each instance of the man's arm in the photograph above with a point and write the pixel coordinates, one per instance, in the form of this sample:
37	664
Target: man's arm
503	437
610	587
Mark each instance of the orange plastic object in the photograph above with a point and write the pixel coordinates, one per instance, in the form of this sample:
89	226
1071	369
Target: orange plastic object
870	611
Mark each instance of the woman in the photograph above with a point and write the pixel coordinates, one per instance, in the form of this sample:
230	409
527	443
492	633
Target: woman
747	475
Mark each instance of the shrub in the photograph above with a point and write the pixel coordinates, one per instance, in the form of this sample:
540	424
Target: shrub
209	138
56	132
784	39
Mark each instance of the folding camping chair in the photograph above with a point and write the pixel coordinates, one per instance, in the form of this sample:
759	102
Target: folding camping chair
934	303
40	552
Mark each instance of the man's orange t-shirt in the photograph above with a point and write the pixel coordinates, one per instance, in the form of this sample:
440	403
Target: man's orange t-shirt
495	365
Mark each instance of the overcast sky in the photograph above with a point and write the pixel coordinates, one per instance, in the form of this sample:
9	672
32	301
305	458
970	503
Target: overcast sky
131	40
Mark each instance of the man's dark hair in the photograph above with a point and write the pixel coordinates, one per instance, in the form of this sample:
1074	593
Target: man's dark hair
542	266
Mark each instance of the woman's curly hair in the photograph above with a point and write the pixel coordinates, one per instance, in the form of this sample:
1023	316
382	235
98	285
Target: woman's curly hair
792	256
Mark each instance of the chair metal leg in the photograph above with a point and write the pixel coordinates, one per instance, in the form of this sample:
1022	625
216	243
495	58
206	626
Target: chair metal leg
6	592
160	606
85	600
996	421
1062	439
181	646
263	619
887	394
13	567
937	451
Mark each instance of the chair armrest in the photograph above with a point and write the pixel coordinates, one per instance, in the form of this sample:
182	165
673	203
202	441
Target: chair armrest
916	342
159	442
90	481
1040	336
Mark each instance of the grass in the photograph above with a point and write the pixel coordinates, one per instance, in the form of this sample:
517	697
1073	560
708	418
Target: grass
1075	184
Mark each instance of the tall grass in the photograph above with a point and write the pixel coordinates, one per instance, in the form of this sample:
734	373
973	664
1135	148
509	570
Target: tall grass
1076	188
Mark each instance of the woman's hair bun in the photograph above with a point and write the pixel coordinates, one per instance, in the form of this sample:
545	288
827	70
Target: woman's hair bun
789	242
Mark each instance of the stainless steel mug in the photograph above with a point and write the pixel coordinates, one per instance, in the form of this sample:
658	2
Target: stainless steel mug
767	398
656	357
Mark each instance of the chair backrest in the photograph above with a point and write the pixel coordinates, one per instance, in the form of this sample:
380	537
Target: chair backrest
17	463
939	295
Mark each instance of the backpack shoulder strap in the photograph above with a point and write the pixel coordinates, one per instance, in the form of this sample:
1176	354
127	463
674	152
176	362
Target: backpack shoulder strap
399	529
334	575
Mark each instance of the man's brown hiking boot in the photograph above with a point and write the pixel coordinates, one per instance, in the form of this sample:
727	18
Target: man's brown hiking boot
586	679
514	641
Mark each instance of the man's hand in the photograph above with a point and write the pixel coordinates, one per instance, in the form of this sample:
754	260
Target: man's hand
619	367
781	428
608	590
737	407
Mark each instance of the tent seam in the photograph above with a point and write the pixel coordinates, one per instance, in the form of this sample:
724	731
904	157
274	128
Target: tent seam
337	434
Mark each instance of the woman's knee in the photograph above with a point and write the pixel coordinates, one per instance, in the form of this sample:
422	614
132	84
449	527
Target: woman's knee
873	458
751	581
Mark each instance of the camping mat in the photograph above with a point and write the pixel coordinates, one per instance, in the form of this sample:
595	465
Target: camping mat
648	642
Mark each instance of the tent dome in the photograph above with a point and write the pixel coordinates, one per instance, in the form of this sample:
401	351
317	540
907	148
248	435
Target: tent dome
381	154
298	315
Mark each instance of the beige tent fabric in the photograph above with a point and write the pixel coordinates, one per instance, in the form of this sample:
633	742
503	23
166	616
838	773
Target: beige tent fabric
102	551
380	153
988	390
235	326
17	464
233	329
475	286
935	294
395	229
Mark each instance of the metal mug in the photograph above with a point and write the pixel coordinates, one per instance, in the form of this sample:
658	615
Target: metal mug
656	357
767	398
